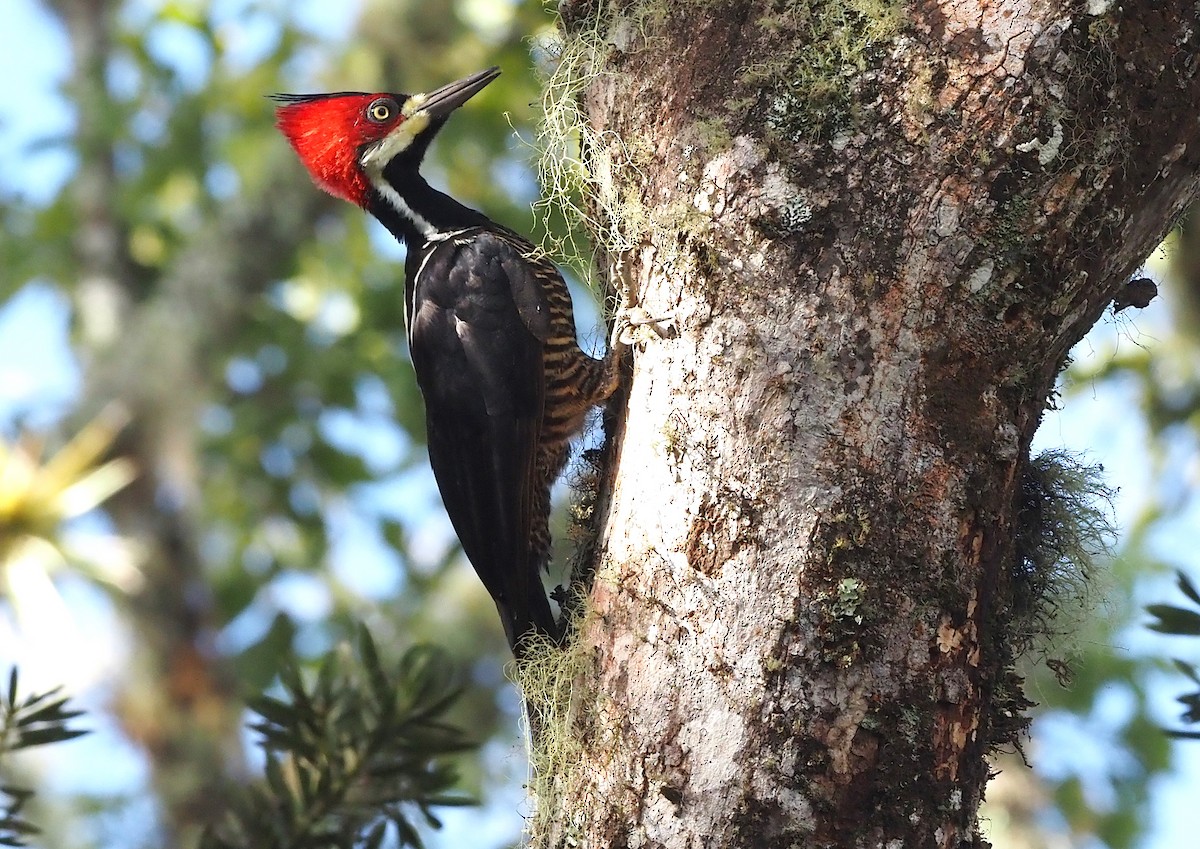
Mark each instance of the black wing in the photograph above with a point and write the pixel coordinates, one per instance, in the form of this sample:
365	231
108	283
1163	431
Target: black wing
476	343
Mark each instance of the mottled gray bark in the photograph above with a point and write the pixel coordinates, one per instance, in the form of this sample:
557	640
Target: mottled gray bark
876	262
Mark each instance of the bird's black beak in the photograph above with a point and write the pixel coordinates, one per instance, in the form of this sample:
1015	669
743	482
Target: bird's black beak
440	102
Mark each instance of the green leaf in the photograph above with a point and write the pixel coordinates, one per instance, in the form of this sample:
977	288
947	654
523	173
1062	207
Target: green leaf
1192	702
407	833
381	687
274	711
37	698
20	826
1188	588
451	801
341	763
429	817
326	674
274	773
313	784
374	837
290	678
256	665
1174	620
52	712
42	736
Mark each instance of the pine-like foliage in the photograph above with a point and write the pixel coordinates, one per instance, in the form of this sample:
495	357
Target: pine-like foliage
36	720
1184	622
349	753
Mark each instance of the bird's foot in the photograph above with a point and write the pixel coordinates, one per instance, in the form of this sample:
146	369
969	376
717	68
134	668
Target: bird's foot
635	326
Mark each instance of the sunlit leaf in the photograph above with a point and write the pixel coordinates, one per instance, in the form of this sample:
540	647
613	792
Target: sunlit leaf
79	457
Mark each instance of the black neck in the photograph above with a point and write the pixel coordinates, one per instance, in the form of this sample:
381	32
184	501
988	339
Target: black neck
424	208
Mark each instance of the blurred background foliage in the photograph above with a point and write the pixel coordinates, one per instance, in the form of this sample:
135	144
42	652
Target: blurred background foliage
249	329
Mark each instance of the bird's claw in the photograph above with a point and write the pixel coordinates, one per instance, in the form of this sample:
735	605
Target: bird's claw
635	326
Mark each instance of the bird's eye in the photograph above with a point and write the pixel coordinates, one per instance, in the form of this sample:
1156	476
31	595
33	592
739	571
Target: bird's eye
381	110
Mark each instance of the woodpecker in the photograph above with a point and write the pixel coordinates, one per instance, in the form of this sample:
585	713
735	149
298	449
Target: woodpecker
490	328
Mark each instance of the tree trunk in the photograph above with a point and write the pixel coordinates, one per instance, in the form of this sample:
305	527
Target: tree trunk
878	228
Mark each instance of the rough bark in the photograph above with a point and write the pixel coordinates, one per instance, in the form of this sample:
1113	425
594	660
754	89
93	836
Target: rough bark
800	624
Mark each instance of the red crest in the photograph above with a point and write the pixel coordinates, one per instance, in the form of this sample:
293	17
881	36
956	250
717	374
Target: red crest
328	132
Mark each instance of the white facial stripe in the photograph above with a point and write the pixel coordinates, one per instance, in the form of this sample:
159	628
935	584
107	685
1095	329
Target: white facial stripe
376	158
397	141
423	225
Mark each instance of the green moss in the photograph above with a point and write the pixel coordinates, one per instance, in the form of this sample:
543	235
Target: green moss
588	180
848	532
822	47
673	444
846	599
712	135
1006	234
579	195
844	606
549	678
817	53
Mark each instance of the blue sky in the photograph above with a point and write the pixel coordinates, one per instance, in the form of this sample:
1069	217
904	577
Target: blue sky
33	61
39	378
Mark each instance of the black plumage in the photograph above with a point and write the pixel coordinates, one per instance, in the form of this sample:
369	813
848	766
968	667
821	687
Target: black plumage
479	362
506	386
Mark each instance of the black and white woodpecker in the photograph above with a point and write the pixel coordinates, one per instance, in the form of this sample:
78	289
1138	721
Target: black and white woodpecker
490	331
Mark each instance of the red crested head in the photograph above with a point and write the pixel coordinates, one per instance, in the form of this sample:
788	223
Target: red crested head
347	139
329	133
